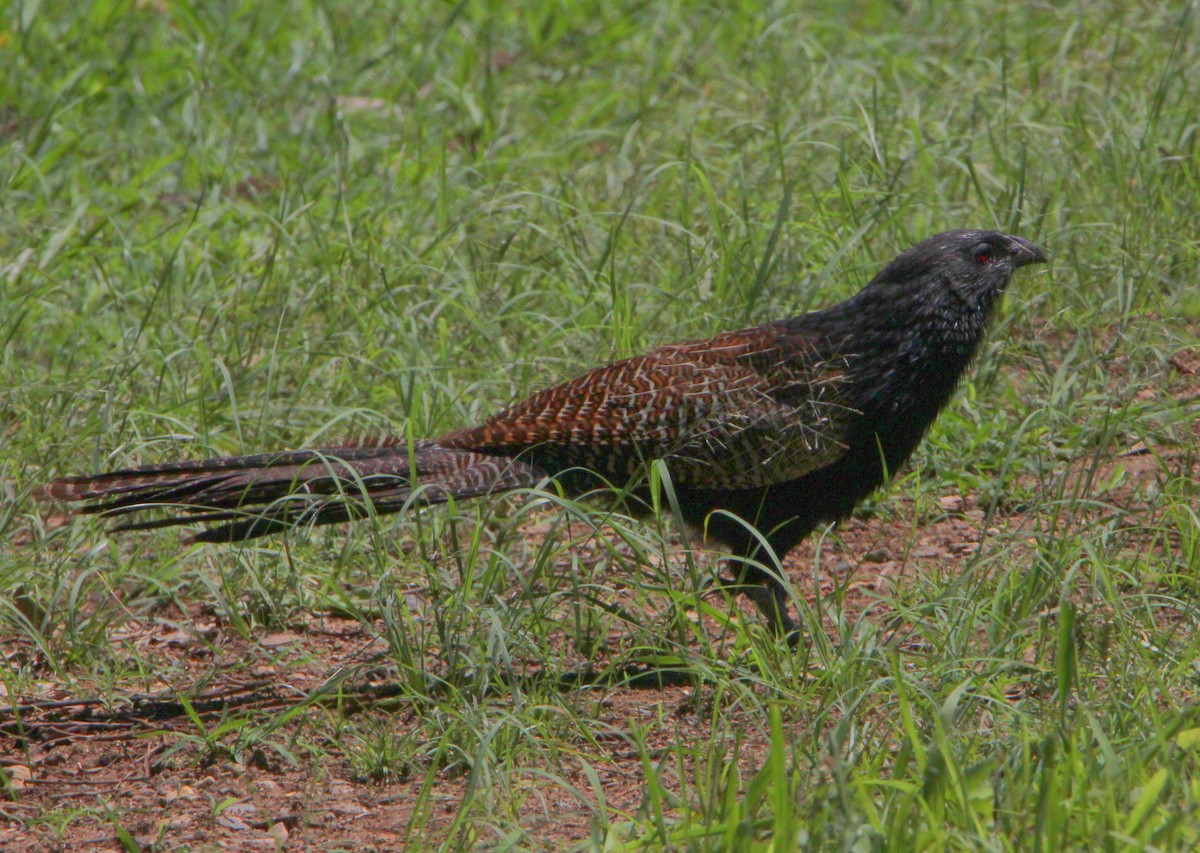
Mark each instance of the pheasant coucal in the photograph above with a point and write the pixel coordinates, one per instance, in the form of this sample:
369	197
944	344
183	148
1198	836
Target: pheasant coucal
781	426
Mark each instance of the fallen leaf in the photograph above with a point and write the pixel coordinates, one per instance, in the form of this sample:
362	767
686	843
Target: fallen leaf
18	776
951	503
285	638
1186	361
348	809
232	822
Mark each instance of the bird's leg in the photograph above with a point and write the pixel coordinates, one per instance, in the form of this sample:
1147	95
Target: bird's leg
771	599
768	595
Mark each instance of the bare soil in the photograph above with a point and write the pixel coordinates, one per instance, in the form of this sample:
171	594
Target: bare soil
74	757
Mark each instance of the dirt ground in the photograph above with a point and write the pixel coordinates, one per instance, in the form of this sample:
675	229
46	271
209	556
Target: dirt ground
68	754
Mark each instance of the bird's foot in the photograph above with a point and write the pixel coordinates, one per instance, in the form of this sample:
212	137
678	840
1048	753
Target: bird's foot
771	599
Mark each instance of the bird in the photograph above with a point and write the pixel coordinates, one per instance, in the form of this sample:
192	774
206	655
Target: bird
765	433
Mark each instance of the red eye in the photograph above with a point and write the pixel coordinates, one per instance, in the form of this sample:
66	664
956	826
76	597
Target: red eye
983	253
983	258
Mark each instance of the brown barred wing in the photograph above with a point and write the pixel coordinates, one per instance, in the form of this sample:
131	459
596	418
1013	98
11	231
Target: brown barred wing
741	410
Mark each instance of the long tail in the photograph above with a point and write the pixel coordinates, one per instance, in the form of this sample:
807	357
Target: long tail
250	496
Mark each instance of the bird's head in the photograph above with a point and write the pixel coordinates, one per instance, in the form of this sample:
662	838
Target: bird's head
974	266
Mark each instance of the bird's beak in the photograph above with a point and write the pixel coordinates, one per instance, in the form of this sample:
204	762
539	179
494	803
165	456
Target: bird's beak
1025	252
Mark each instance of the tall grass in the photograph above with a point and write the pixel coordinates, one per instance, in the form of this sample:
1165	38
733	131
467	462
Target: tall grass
233	226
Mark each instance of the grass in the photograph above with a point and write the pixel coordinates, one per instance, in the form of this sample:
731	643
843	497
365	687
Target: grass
231	226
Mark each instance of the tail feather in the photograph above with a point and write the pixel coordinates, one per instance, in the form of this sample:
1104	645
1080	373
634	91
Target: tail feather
484	476
251	496
125	479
